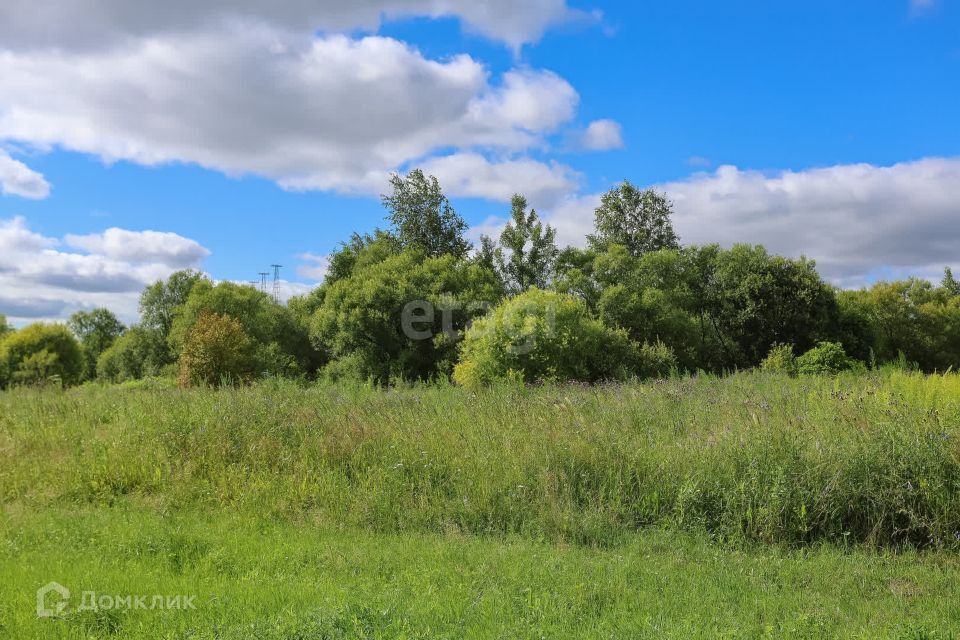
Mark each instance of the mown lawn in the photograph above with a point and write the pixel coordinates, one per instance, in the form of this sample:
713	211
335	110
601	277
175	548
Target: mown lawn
746	506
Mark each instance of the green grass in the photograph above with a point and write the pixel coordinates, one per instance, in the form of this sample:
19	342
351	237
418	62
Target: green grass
263	579
748	506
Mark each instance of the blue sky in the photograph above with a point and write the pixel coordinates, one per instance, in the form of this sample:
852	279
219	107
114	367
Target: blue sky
830	129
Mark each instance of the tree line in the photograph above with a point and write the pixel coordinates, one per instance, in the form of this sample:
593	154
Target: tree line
417	301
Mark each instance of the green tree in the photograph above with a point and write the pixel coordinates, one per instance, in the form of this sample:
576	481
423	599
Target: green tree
527	250
423	218
949	283
360	251
4	327
160	301
40	352
543	336
637	219
281	343
96	330
911	317
217	351
757	300
400	318
138	353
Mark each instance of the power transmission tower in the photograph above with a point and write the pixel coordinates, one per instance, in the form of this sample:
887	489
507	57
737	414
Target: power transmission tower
263	280
276	282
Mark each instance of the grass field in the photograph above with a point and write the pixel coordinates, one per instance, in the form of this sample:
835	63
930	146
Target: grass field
747	506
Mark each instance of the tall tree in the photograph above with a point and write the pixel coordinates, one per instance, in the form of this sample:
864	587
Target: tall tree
637	219
4	327
527	250
160	300
96	330
949	283
423	217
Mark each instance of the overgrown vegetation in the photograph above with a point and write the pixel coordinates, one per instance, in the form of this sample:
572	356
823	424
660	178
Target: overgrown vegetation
866	459
397	304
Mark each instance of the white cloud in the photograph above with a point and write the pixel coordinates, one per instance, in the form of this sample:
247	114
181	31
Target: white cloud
18	179
472	175
38	280
161	247
315	267
76	25
859	222
602	135
326	113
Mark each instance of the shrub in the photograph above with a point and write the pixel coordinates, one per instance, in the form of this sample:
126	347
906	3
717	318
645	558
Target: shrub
780	359
825	358
656	360
41	352
217	351
544	335
136	354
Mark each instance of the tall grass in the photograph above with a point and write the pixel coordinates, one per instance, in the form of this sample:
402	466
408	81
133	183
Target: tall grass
869	459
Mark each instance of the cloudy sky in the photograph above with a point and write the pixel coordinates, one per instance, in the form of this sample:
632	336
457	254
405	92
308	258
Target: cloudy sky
138	138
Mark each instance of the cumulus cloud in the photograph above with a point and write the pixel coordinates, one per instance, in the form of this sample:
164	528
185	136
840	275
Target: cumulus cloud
326	113
472	175
18	179
314	268
161	247
601	135
39	280
859	222
94	23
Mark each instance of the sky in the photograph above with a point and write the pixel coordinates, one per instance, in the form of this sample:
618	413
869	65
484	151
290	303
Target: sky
229	135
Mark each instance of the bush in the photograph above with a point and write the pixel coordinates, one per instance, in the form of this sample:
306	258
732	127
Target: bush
547	336
136	354
780	359
217	351
826	358
39	353
656	360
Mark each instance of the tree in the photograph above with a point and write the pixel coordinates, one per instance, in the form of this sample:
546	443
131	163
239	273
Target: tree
637	219
545	336
910	317
160	301
951	285
359	251
217	351
423	218
281	343
486	255
96	331
400	318
4	327
40	352
138	353
527	250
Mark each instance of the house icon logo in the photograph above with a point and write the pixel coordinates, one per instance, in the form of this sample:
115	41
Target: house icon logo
52	600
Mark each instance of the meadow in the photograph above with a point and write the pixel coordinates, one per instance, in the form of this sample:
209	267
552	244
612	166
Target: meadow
752	505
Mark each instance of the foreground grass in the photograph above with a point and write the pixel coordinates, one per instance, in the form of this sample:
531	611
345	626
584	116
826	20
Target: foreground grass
749	506
871	460
256	578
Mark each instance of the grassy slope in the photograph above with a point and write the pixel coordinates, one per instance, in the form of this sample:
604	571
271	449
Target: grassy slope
256	579
437	512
